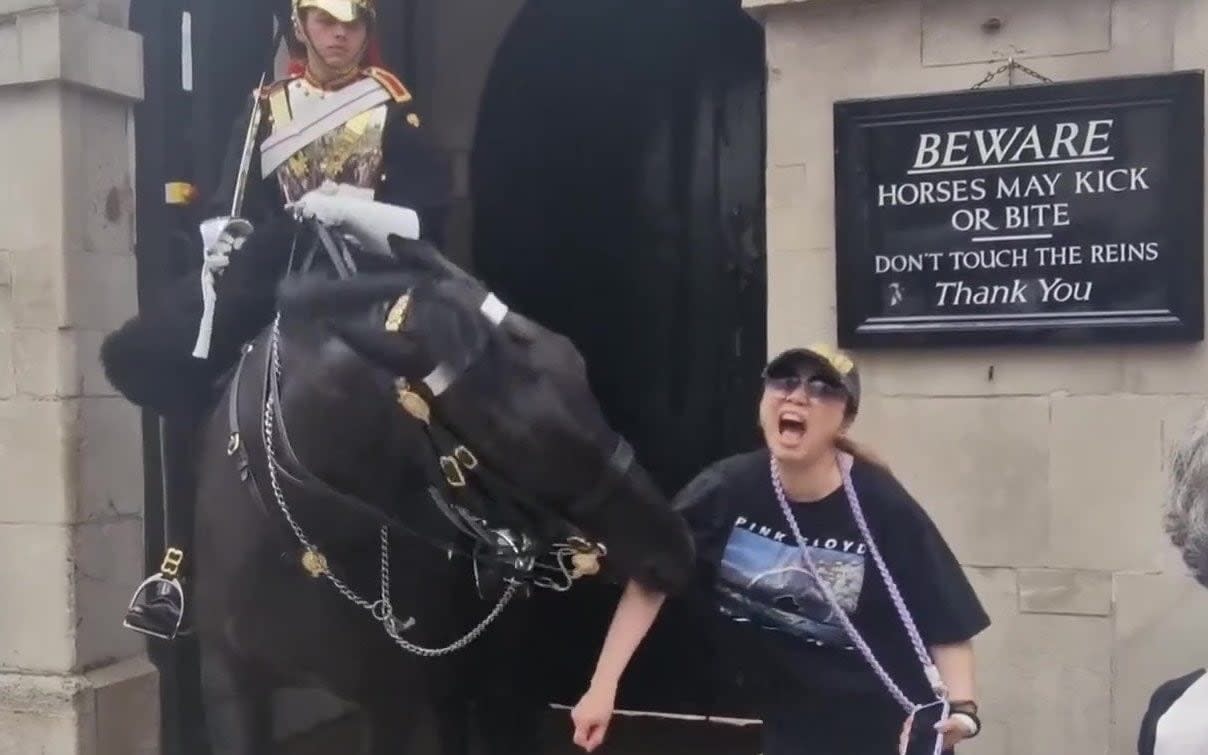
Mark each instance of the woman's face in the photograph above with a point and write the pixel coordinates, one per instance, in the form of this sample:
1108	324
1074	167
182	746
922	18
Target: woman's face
802	412
338	44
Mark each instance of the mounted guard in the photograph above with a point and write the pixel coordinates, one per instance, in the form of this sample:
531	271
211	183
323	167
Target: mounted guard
337	128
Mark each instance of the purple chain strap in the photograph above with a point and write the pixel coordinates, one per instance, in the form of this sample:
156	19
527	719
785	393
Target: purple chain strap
920	649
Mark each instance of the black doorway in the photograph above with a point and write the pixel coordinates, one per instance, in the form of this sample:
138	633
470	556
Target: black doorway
617	181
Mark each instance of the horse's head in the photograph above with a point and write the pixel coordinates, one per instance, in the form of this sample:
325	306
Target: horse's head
516	395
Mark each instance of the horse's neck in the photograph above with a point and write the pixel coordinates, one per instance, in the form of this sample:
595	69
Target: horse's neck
340	416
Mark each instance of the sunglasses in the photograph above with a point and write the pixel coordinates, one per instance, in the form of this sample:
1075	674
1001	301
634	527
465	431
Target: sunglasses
816	387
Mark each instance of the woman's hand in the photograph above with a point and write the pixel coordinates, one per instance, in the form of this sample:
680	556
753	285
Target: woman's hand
955	729
592	715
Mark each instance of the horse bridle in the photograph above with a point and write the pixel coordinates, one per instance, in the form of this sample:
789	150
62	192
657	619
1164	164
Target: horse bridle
452	466
465	475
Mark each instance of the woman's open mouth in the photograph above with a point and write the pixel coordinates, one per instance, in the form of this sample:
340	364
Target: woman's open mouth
792	427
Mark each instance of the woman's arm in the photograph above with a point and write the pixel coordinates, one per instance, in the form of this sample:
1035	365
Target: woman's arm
955	663
635	614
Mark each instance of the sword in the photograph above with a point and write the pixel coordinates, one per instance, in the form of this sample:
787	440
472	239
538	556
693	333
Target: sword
249	145
212	228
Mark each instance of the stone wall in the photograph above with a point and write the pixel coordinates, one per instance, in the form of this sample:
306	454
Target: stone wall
1043	467
71	678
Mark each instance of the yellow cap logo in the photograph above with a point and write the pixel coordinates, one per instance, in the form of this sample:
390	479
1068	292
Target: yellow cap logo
837	359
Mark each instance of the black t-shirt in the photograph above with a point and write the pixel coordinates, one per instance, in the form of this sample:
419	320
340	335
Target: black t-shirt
775	629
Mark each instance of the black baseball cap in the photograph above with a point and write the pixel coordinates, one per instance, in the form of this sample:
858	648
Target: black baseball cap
836	365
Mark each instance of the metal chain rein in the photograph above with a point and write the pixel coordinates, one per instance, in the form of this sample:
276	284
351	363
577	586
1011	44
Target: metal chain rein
381	610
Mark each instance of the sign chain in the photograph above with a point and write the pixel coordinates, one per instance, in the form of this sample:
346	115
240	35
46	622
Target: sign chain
1011	64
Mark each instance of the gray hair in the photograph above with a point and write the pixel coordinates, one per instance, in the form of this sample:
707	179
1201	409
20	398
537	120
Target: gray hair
1186	515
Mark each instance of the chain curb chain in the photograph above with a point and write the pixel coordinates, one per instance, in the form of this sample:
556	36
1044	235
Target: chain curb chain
853	634
1011	64
381	610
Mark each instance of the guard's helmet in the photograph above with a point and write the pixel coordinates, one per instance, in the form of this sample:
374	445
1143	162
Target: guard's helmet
342	10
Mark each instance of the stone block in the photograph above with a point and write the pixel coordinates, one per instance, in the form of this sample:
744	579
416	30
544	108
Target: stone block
126	704
980	467
34	445
1177	416
103	290
1043	679
1159	635
1001	371
1106	483
1065	591
36	585
39	296
45	363
99	199
60	44
802	305
953	30
6	290
88	363
826	50
997	590
8	370
786	187
57	363
1165	369
32	182
108	711
108	563
43	715
1190	48
108	459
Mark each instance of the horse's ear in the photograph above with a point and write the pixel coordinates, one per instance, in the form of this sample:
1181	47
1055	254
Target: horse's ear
316	296
419	256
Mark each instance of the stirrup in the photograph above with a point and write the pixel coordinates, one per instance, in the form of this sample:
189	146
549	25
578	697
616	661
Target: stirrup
157	589
161	591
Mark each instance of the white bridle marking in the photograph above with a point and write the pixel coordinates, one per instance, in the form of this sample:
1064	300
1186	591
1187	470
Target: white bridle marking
439	380
494	309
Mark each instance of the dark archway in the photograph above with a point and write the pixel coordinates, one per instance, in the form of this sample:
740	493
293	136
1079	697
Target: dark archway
617	181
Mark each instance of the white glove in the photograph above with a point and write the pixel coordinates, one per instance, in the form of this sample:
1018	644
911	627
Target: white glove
220	237
369	221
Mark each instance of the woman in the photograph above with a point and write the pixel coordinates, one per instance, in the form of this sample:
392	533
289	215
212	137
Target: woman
1176	722
765	523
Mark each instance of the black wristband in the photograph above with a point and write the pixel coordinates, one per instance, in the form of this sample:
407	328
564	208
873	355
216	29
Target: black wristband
973	716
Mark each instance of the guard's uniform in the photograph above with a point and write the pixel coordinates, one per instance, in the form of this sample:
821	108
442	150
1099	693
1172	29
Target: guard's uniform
366	137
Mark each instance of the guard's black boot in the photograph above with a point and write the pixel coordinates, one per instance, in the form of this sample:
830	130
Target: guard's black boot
158	606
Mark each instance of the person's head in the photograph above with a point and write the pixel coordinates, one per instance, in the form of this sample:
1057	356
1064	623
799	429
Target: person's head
334	34
1187	503
810	397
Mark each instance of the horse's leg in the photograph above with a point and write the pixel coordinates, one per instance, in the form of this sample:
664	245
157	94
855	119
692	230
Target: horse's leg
453	724
510	723
392	728
238	708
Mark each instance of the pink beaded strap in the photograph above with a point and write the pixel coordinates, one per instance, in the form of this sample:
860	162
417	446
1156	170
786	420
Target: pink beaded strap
920	649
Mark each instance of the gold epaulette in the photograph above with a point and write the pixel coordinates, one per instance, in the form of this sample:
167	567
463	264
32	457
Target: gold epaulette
390	83
276	95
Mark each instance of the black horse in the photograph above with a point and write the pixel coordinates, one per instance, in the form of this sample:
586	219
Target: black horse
386	442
